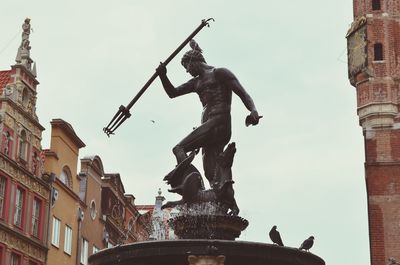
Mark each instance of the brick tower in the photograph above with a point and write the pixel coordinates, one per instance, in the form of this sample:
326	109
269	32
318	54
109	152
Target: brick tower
373	43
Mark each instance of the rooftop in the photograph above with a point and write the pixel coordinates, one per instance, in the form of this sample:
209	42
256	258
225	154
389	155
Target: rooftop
5	78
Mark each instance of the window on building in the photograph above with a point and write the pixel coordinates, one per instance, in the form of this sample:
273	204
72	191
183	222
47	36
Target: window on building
82	188
93	211
378	52
3	184
95	249
55	236
36	210
376	4
22	146
65	177
15	259
68	240
19	207
84	251
25	97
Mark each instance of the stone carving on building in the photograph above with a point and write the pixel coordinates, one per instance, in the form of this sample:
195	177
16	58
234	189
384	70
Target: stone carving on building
206	260
380	94
17	174
21	245
117	214
23	55
392	261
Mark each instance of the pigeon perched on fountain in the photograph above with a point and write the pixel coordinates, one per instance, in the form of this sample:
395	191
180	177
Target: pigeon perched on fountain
275	236
307	244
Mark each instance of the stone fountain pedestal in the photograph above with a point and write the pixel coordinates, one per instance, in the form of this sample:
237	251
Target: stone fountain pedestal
207	236
177	252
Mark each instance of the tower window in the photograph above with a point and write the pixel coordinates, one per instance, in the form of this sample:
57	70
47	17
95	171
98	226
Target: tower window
376	4
378	52
25	97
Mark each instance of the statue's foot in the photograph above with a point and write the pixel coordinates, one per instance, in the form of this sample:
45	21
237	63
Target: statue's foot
179	169
171	204
234	211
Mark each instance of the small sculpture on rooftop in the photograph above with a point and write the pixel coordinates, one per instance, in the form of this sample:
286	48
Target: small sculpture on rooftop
23	54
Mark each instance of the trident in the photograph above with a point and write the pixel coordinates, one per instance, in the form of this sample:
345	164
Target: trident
123	112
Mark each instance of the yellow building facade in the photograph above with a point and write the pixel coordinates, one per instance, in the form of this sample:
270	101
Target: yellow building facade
66	208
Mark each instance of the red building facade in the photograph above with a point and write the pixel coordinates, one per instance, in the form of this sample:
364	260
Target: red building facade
24	195
374	70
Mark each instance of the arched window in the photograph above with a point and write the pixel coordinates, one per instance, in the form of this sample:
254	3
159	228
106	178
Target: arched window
65	177
376	4
23	143
25	97
378	52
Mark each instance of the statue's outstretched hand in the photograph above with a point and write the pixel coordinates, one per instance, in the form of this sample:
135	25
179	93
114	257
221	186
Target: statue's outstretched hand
253	118
161	70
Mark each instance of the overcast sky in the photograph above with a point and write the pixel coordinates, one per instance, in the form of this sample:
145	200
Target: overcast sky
301	168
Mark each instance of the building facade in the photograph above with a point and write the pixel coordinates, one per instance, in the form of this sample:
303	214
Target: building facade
123	222
50	211
159	228
24	195
90	210
61	164
374	70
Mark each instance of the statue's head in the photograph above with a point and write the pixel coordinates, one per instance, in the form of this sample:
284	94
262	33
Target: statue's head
192	56
192	59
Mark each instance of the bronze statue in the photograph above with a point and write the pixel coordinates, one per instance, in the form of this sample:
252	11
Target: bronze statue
214	87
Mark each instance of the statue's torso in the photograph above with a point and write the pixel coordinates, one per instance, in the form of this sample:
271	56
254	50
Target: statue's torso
215	97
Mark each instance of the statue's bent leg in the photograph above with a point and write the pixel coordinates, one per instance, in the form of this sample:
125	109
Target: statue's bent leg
199	137
210	155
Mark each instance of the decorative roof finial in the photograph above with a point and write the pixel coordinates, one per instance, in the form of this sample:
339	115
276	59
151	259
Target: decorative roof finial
23	55
159	192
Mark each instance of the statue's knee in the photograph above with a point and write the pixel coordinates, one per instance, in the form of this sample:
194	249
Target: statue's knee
177	150
179	153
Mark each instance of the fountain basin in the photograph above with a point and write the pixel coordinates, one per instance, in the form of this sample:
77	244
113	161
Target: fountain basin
176	252
223	227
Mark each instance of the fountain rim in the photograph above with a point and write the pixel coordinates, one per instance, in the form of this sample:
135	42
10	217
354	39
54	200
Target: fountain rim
226	247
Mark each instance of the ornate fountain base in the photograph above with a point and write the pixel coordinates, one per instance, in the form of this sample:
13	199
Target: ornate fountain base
177	252
224	227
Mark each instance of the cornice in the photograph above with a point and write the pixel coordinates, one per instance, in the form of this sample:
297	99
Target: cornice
67	128
16	240
12	169
24	113
26	71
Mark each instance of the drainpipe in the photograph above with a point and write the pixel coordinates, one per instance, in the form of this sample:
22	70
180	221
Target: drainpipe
51	179
78	245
